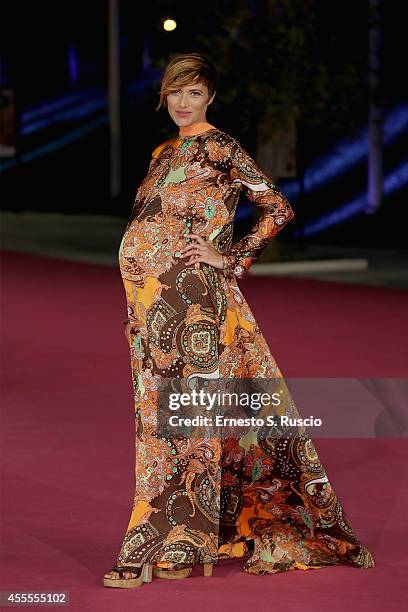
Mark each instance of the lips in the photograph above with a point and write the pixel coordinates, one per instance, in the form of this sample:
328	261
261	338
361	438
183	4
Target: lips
182	113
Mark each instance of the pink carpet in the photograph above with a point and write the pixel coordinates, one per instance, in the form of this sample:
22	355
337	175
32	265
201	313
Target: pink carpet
67	440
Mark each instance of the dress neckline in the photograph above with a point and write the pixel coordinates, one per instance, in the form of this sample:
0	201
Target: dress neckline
196	129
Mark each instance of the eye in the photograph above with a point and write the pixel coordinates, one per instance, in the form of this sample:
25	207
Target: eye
174	91
198	93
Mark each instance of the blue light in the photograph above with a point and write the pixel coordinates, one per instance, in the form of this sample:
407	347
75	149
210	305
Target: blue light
394	181
73	64
353	150
347	153
55	104
397	179
56	144
80	105
71	114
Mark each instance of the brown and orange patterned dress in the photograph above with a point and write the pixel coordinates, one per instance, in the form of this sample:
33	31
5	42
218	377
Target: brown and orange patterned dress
199	500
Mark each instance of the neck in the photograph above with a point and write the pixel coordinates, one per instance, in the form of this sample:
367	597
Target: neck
195	128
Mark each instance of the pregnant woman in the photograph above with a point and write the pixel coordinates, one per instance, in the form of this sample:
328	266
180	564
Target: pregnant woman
198	500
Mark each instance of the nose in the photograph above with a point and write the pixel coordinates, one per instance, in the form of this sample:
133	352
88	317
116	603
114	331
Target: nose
183	100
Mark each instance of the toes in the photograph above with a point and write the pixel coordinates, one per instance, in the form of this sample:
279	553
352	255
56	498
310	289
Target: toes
129	575
110	575
119	575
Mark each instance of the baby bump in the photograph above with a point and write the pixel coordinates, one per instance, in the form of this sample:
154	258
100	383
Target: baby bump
149	249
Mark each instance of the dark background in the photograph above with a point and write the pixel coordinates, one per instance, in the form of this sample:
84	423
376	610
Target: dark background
252	44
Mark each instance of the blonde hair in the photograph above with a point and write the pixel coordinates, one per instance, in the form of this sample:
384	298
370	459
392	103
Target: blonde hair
184	69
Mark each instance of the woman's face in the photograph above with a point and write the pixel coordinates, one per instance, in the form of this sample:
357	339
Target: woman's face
188	104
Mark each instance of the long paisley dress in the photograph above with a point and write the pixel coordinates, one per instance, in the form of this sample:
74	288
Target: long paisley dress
200	500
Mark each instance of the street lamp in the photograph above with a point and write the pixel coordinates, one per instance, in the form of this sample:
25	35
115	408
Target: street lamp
169	24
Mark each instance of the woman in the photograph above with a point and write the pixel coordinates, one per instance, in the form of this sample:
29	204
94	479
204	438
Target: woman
199	500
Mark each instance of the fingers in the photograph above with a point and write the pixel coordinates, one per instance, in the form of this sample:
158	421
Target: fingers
195	254
199	243
199	238
194	259
198	251
195	249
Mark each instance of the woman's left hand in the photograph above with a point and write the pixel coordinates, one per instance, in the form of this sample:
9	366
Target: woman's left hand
201	250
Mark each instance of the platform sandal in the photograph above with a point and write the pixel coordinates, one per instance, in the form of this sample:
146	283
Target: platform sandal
143	574
180	570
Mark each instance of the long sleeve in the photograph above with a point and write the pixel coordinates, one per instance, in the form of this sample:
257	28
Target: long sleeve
275	209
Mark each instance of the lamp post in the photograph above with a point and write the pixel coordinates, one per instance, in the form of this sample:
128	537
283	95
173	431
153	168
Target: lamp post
374	186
